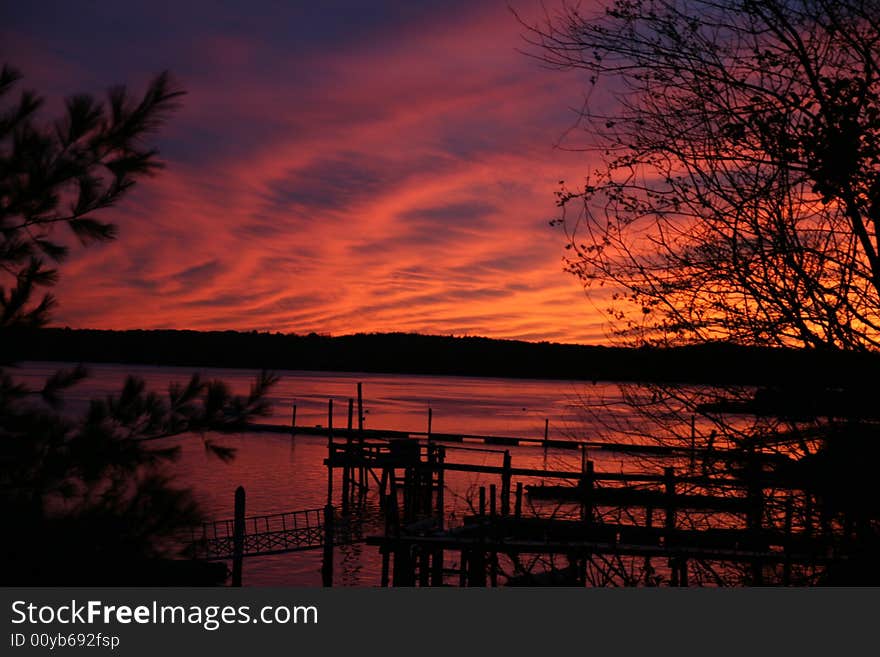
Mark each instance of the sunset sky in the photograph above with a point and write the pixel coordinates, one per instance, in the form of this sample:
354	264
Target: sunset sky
338	168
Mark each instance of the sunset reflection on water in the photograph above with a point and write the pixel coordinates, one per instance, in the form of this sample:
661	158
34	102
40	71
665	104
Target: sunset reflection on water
284	473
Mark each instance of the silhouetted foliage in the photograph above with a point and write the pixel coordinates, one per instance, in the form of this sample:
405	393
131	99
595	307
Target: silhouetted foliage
100	476
737	190
735	195
84	499
62	174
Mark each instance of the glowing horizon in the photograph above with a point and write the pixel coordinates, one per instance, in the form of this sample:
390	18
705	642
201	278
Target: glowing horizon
338	171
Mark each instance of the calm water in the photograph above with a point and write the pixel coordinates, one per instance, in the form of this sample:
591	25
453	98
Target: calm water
283	473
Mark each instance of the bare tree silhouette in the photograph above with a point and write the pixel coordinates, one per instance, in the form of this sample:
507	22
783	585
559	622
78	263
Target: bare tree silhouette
738	191
736	197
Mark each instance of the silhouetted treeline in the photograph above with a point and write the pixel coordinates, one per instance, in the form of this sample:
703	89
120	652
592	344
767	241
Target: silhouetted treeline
423	354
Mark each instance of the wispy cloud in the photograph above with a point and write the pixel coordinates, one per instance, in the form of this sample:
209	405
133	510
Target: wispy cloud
333	169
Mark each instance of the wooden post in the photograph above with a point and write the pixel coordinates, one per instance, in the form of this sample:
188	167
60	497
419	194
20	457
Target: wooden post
346	477
293	420
327	565
392	511
408	515
437	568
330	418
428	482
755	496
648	568
403	571
424	567
546	431
392	528
390	522
668	537
591	485
493	557
786	565
441	508
383	486
360	407
518	504
505	485
477	558
330	451
351	479
430	418
348	465
238	536
588	477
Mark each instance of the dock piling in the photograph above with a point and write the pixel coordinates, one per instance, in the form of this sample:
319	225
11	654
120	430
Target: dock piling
238	537
360	407
505	485
329	450
668	537
441	508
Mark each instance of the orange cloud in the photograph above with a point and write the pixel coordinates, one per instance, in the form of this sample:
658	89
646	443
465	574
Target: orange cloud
398	180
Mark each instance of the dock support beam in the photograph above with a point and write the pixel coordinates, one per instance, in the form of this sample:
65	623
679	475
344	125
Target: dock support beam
669	533
238	537
329	451
360	408
505	485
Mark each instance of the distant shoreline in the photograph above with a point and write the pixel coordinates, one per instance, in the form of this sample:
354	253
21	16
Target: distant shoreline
335	374
406	353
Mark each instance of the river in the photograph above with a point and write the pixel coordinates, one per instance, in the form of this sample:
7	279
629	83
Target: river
285	473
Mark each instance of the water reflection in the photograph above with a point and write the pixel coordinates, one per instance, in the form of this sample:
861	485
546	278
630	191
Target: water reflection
281	473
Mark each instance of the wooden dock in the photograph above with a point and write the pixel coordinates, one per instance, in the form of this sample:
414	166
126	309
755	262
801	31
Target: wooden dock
779	535
747	523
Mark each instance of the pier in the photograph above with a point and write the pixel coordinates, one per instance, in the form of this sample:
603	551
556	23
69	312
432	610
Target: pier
648	518
674	525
